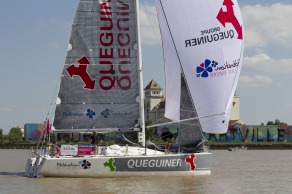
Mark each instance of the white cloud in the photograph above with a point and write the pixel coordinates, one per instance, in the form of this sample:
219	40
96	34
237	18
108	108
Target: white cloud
265	64
263	25
65	25
54	45
268	24
53	23
255	81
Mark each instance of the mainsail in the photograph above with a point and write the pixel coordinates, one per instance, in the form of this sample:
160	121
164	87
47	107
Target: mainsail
100	85
203	48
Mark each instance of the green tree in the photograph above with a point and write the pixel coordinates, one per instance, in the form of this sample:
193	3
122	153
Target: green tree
149	132
15	134
1	136
277	122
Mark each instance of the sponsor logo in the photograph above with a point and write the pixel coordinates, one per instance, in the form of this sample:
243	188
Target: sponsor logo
84	164
67	165
88	113
154	163
229	17
110	164
217	33
205	68
117	74
213	69
108	113
190	161
81	71
117	63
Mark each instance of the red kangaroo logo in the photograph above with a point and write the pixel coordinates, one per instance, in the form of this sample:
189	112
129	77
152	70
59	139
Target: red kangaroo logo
81	71
229	17
190	160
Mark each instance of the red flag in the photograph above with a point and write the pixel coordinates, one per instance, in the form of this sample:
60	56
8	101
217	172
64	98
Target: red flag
48	128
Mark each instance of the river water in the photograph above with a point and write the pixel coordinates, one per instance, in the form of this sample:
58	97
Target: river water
250	171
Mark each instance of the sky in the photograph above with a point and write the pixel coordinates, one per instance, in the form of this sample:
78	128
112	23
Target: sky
34	35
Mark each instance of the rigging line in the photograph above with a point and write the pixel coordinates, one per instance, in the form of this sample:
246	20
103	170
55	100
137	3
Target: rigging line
183	120
159	119
184	77
146	11
130	141
53	97
159	136
151	143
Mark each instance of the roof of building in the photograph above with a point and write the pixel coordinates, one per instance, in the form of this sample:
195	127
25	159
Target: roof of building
161	105
153	85
237	122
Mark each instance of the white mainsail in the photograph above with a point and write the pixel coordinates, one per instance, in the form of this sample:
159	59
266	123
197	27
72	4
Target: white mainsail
203	47
100	83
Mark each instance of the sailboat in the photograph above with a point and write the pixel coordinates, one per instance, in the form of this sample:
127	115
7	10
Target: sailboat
101	87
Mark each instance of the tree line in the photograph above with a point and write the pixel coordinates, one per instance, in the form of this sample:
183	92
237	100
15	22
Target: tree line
14	135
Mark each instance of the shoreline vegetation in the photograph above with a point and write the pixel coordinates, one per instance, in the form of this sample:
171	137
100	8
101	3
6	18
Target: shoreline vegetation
251	146
212	145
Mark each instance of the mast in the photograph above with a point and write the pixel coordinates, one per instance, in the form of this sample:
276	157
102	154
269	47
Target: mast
141	92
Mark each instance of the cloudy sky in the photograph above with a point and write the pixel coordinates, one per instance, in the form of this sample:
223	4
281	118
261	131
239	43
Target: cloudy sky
34	36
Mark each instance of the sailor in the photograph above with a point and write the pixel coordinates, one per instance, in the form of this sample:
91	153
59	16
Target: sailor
94	138
55	150
166	135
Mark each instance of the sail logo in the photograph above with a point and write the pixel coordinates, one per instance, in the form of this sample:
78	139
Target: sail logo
229	17
107	113
88	113
217	33
205	68
116	50
81	71
190	161
212	69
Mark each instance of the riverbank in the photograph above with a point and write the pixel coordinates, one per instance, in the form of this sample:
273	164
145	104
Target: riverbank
251	146
17	146
212	145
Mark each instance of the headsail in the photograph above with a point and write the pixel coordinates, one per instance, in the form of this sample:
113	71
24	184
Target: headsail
203	46
100	81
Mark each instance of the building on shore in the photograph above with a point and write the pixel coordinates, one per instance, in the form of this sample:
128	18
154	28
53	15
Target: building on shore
155	105
238	131
154	102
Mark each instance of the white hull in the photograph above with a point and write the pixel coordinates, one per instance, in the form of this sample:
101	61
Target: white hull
111	165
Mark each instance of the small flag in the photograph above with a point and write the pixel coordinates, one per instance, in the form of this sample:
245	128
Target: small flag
48	128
